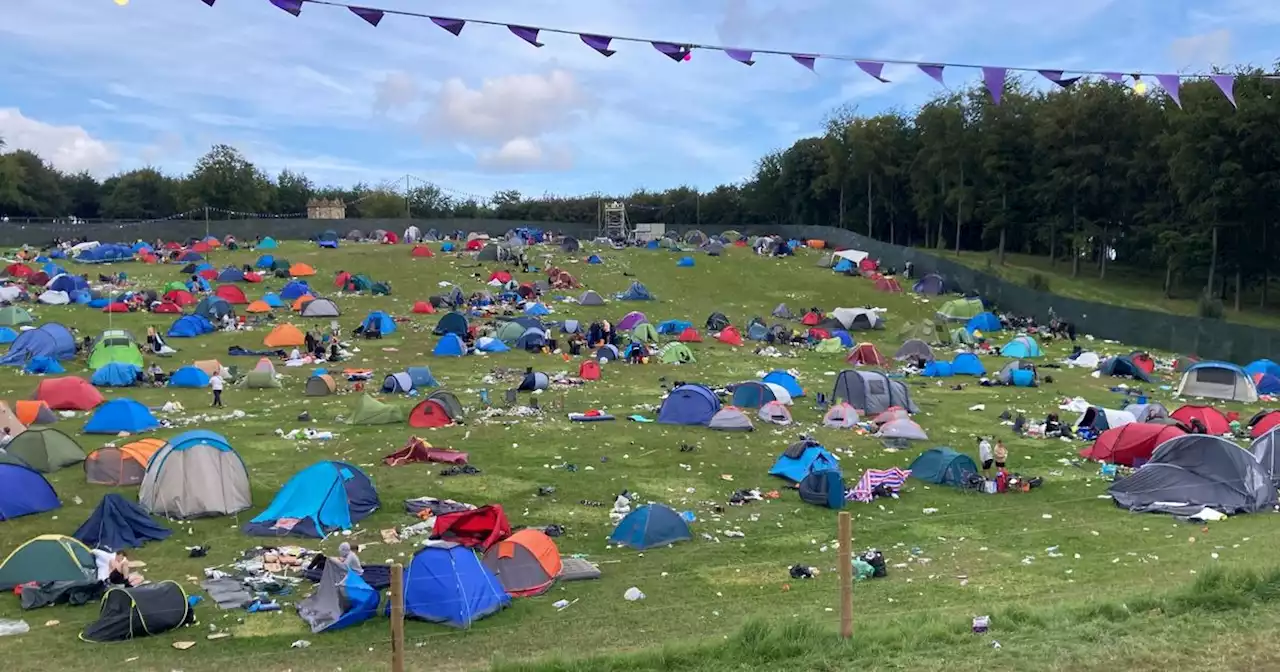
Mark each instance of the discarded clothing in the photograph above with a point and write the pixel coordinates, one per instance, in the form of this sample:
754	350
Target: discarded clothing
435	506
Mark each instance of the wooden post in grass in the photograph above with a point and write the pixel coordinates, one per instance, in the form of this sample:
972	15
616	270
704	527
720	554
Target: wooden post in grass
845	549
397	618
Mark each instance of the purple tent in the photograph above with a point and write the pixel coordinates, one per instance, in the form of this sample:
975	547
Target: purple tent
630	320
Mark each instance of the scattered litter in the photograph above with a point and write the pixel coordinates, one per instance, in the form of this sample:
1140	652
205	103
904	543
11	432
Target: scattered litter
633	594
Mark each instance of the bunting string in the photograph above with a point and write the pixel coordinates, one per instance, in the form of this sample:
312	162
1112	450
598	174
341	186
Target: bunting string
993	77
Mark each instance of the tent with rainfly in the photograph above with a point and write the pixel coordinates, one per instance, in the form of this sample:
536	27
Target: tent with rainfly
526	563
370	411
121	415
196	474
24	491
650	526
45	449
150	609
48	557
323	498
447	583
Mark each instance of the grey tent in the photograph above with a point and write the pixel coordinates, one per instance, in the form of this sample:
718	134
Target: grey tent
397	382
782	312
730	419
696	237
827	261
320	308
450	402
570	244
914	349
855	319
1147	412
714	248
902	428
1005	376
494	252
534	380
320	386
570	327
1191	472
196	474
341	598
532	339
872	392
590	298
1264	448
355	234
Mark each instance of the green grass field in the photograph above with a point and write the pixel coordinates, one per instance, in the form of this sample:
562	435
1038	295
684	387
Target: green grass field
1119	589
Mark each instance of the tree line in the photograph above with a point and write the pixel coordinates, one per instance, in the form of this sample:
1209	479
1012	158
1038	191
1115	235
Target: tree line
1088	174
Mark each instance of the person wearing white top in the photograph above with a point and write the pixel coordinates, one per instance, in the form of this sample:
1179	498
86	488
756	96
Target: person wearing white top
985	456
215	384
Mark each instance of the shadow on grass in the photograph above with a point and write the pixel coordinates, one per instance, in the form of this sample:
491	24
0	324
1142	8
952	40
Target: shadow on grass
809	645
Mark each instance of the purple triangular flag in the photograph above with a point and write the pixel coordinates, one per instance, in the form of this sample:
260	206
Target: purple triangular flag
1117	77
1056	77
805	60
598	42
294	7
671	50
454	26
529	35
209	2
1227	85
934	71
1172	85
994	79
740	55
373	16
873	68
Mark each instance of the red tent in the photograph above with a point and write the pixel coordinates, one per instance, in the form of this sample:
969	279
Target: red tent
340	280
1129	443
168	307
68	394
811	319
391	238
423	307
421	251
501	276
730	335
231	294
866	354
38	278
180	297
473	245
590	370
253	276
416	451
478	528
1143	361
148	258
201	247
867	264
116	307
888	284
690	335
821	334
19	270
429	413
1214	421
1263	423
208	274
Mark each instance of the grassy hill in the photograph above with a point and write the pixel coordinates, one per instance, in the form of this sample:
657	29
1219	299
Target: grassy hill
1055	567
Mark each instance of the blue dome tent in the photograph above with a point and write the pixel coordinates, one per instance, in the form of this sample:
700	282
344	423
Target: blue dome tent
685	262
843	266
536	309
68	283
7	335
689	405
968	364
636	292
448	584
190	326
51	340
268	243
189	376
383	321
121	415
323	498
43	365
272	299
1021	347
984	322
944	466
650	526
231	274
116	374
802	459
1265	366
594	259
266	262
450	345
490	344
786	381
24	491
295	289
673	327
938	368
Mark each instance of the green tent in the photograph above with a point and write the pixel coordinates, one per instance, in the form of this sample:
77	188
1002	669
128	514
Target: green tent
510	332
260	380
48	557
731	235
359	283
963	336
676	353
174	286
960	309
281	264
370	411
925	330
12	316
829	345
644	333
115	345
46	449
380	289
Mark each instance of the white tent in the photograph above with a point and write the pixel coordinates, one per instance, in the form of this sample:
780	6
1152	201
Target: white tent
54	298
854	256
780	394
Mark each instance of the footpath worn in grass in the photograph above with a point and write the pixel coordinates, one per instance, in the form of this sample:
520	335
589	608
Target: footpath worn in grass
974	555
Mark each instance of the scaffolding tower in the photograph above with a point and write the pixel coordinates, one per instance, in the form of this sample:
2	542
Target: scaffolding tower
613	222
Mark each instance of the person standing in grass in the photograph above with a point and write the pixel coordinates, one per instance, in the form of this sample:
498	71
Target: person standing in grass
985	456
1001	455
215	384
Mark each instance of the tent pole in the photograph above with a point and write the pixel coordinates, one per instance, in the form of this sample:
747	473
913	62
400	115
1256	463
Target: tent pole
397	618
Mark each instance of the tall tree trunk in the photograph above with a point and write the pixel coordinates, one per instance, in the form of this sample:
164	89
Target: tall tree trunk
1053	244
1266	272
959	210
1004	219
1239	286
841	216
893	223
1168	277
1213	262
1075	242
1102	261
869	228
942	210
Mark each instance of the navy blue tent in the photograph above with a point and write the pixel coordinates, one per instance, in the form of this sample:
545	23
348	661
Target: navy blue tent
106	253
213	308
452	323
190	326
51	340
117	523
68	283
322	498
448	584
689	405
650	526
636	292
24	491
116	374
231	274
295	289
329	235
1123	367
328	244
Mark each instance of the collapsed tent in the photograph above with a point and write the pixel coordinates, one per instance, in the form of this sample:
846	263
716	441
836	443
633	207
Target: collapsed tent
1190	473
341	599
117	524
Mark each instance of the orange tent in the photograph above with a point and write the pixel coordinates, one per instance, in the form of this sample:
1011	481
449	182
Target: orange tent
526	563
259	306
284	336
34	413
301	270
302	301
125	465
816	244
209	366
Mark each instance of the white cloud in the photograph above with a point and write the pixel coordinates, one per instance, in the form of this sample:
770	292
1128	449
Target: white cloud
523	154
103	105
505	108
397	89
69	148
1213	48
